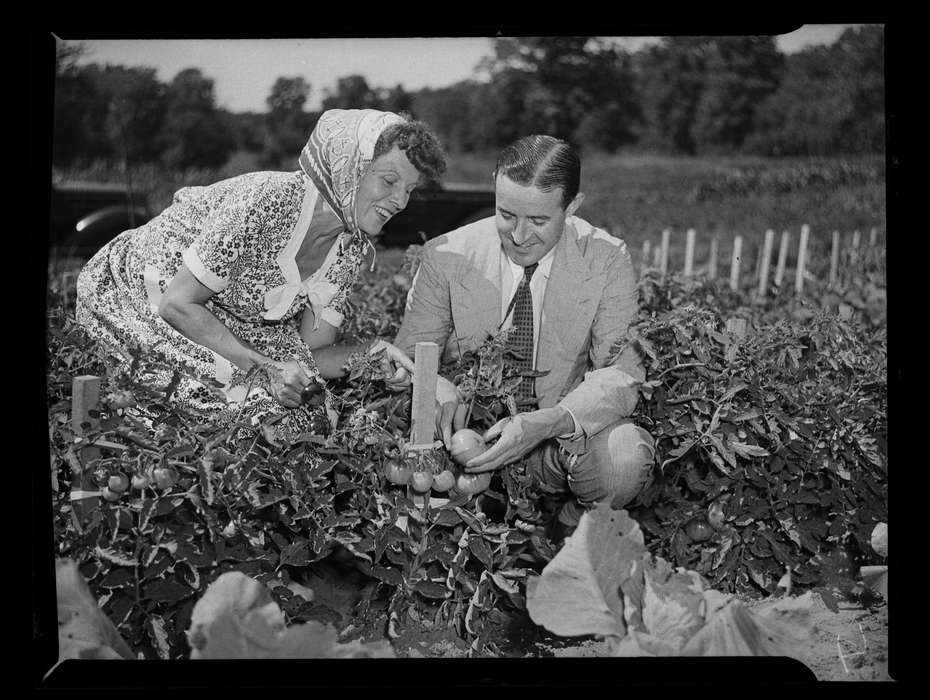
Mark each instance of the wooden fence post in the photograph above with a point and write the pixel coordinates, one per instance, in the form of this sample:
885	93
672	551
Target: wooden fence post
854	248
712	263
782	258
663	267
802	260
423	403
834	259
689	252
766	262
85	397
734	262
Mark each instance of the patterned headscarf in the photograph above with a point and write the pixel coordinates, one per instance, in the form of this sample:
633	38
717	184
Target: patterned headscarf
340	148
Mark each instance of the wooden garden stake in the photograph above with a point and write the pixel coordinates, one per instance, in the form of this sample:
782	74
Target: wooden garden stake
85	397
647	248
802	259
689	252
782	258
712	263
663	267
766	262
657	257
834	259
738	327
734	262
423	408
873	237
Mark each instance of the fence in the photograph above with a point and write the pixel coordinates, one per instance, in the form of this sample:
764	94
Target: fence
763	281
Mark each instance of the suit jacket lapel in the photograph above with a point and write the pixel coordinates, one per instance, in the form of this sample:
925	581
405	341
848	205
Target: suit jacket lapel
479	292
568	310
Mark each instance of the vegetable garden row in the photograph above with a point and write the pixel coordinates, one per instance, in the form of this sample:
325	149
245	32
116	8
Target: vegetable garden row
769	413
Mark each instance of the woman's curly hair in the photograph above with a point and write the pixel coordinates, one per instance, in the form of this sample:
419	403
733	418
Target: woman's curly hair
418	143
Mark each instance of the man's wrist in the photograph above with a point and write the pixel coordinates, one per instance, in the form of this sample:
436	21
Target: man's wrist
560	421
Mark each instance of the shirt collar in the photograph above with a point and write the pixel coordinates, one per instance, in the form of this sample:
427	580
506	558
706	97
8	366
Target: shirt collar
543	268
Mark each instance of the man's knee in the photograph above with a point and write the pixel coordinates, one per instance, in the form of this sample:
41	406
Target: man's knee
627	456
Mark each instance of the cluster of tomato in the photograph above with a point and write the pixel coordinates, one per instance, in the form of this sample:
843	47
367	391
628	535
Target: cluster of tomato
702	527
114	486
426	473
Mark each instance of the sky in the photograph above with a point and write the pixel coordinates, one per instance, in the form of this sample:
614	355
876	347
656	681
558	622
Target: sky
243	70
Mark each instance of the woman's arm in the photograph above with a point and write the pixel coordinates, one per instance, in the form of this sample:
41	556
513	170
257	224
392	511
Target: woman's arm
183	306
331	358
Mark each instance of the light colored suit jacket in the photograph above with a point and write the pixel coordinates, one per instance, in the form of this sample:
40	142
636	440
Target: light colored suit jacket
590	301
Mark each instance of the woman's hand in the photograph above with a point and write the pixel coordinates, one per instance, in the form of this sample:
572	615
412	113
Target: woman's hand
288	383
396	362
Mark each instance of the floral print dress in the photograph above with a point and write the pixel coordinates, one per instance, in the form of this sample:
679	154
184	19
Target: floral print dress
239	237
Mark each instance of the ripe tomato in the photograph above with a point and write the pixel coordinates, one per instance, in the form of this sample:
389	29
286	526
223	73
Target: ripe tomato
466	444
444	480
118	483
422	481
397	472
165	477
470	484
110	495
139	481
699	530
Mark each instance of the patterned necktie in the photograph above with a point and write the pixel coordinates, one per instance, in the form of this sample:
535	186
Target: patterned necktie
521	338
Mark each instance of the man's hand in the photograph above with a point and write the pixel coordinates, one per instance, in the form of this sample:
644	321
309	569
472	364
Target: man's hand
450	413
519	435
396	361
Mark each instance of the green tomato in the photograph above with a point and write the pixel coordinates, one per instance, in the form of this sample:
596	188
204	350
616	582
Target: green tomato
110	495
470	484
165	477
699	530
422	481
118	483
444	480
397	472
139	481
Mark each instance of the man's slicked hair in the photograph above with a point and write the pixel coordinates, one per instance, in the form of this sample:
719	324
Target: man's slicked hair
544	162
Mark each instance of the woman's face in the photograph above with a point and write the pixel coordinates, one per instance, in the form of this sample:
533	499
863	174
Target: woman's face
384	190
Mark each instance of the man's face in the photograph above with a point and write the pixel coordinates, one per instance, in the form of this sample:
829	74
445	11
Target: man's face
529	221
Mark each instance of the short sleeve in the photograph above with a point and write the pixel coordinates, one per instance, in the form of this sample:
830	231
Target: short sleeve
212	256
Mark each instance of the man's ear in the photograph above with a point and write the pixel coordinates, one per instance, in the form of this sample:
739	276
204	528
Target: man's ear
574	204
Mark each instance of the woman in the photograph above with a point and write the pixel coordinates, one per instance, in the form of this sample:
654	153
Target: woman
256	269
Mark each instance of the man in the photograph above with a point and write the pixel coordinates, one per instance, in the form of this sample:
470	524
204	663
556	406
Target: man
568	291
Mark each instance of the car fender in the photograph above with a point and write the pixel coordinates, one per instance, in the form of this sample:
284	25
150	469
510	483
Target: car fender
111	218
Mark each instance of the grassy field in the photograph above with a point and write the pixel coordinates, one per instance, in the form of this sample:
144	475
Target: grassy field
636	196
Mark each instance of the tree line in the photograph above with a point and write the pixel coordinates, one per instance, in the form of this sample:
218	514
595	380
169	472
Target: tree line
684	95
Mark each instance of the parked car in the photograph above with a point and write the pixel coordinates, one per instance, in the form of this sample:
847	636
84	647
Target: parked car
86	215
